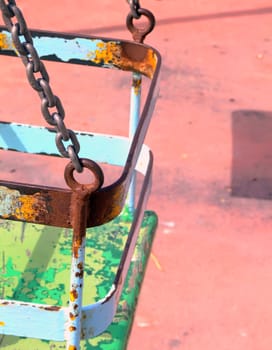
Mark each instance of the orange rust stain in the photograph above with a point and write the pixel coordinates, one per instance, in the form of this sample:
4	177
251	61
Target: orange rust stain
25	210
145	66
72	329
30	207
80	265
76	245
151	60
2	324
72	347
118	200
4	42
73	295
72	316
113	53
137	83
107	53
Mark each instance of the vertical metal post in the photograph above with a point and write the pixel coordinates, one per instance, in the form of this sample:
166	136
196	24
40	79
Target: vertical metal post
79	207
135	105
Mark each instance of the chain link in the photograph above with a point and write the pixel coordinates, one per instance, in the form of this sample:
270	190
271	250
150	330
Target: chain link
23	42
134	8
136	12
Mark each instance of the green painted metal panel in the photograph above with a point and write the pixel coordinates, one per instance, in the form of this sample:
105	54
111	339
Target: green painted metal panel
35	267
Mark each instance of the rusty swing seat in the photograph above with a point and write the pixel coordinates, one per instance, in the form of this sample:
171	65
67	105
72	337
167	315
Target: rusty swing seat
40	300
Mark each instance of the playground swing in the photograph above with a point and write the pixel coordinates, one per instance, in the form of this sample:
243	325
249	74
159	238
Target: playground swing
99	227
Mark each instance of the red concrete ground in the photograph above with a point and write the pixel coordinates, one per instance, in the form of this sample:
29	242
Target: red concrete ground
208	284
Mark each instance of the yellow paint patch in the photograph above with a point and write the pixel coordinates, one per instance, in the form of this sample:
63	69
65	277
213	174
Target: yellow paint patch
26	209
4	42
2	324
107	53
145	65
30	207
23	207
73	295
112	53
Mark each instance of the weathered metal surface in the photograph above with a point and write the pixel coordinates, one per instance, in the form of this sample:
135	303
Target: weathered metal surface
31	204
53	203
46	281
36	203
79	208
140	32
108	201
87	50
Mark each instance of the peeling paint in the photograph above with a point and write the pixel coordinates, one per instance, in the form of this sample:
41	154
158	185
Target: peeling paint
115	54
118	199
5	42
107	53
104	53
72	316
21	207
145	63
73	295
137	83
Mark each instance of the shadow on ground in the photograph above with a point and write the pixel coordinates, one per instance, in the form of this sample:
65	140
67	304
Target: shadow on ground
252	154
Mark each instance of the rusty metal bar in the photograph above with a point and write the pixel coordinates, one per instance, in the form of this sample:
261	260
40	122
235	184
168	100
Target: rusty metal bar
79	206
88	50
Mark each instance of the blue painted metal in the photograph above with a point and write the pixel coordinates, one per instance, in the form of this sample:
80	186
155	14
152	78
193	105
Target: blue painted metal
87	50
76	293
26	139
135	110
33	320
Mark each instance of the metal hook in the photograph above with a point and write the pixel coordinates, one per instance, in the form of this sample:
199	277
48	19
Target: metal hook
93	167
139	34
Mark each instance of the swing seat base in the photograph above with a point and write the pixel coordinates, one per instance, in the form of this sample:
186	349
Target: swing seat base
36	266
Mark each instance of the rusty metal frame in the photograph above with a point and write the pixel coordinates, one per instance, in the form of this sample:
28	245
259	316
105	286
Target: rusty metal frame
48	205
109	53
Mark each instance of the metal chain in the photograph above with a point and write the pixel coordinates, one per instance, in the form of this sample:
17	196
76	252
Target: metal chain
134	8
51	106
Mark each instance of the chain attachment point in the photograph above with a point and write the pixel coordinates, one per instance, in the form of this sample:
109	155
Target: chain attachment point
139	33
90	165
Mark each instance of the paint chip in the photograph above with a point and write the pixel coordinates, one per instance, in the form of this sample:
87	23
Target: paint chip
156	261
